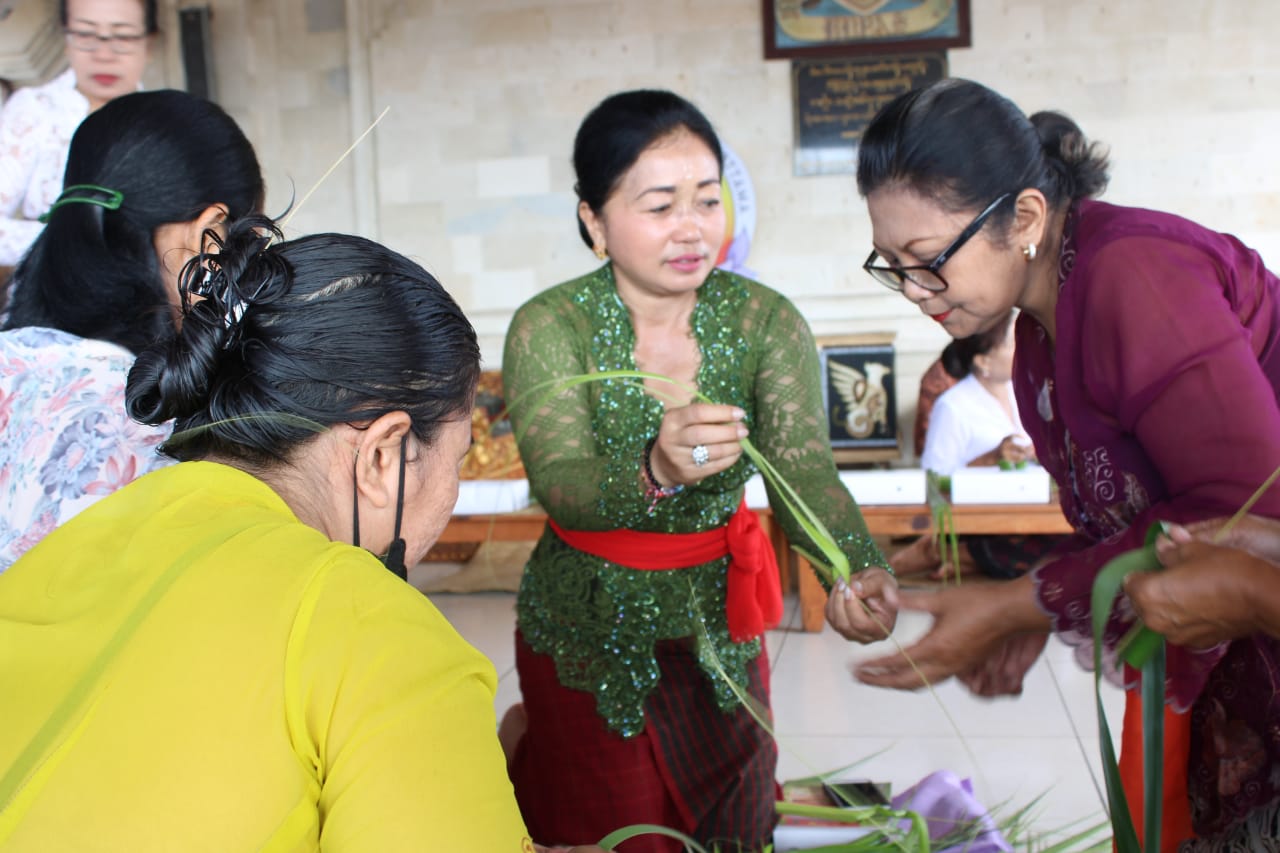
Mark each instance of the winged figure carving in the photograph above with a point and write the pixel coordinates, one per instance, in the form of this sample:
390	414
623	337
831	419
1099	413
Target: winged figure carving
866	400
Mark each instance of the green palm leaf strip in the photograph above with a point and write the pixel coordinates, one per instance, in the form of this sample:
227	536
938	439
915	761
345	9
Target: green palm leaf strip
944	528
1248	505
627	833
1146	652
833	562
889	835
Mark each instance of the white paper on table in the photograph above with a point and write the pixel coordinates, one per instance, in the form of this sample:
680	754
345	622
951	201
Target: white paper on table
895	487
483	497
991	485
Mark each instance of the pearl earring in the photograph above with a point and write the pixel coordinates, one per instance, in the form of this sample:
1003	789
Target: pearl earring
1029	252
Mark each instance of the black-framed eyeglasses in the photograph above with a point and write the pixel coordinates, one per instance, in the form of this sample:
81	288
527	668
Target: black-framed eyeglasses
927	276
120	44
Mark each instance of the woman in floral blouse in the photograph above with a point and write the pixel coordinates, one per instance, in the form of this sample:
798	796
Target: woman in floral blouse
108	43
147	175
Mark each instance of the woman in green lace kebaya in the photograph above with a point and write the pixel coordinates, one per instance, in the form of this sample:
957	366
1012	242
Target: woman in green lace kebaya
653	583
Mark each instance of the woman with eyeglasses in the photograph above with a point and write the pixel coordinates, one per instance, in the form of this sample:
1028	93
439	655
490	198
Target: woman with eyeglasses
108	43
1147	369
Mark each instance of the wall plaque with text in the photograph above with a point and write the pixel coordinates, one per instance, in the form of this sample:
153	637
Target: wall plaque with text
835	99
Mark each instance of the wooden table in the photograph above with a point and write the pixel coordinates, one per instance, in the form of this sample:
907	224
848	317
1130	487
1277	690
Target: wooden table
1011	519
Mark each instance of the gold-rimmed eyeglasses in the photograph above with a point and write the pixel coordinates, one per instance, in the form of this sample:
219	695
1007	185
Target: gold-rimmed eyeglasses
927	276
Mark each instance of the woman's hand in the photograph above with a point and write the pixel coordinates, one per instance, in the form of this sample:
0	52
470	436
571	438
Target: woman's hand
1001	674
973	635
1255	534
866	608
1015	449
716	429
1208	594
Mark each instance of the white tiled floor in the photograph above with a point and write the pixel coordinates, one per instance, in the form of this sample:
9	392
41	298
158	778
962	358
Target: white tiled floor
1042	744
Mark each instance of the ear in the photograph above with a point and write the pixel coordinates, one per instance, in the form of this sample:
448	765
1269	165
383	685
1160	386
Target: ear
212	218
595	226
378	458
1030	218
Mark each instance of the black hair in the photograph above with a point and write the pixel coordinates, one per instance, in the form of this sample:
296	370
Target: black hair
148	11
962	145
958	356
94	272
292	338
618	130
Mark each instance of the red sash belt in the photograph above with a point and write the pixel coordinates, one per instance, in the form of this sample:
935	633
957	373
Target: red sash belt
753	598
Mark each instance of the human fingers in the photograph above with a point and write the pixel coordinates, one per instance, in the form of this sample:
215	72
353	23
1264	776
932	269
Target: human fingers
688	454
922	600
1146	595
1255	534
847	615
913	668
704	413
1170	541
856	620
879	591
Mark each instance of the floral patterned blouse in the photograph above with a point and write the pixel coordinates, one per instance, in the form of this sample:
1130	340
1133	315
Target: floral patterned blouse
36	127
67	440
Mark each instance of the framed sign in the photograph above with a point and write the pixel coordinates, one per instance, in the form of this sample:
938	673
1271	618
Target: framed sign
835	99
859	397
799	29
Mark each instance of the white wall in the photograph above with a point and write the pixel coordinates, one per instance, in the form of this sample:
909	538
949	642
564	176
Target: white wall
470	172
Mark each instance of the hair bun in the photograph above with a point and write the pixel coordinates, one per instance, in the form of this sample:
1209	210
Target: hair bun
1079	166
219	288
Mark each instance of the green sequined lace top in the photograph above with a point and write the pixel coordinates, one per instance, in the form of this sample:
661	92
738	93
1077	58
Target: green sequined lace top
582	451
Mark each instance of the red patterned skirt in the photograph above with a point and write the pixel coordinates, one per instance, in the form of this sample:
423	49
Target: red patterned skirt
693	768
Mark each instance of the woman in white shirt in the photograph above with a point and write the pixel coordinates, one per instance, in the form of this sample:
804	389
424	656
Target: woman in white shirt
975	422
107	45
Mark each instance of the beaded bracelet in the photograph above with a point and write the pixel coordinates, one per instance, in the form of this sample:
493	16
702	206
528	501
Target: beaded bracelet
652	490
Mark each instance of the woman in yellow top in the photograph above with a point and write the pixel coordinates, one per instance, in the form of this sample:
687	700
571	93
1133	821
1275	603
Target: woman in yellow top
204	660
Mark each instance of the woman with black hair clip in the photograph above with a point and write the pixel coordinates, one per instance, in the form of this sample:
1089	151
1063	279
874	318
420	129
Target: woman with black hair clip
220	666
147	176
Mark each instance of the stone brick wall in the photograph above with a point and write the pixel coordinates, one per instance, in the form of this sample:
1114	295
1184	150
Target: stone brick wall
469	172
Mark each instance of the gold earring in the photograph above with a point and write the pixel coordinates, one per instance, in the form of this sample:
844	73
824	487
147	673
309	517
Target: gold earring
1029	252
600	252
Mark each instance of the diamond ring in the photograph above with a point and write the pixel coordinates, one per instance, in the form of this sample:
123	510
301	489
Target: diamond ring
701	456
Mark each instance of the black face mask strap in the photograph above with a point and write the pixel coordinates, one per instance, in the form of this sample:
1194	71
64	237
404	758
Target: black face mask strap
395	554
355	502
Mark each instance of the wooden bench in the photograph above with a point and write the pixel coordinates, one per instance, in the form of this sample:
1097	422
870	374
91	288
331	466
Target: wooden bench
1010	519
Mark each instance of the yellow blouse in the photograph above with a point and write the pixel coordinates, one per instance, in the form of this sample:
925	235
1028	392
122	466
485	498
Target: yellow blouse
186	666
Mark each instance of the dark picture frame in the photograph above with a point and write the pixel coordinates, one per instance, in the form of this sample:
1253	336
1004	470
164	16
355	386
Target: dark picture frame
810	29
859	397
